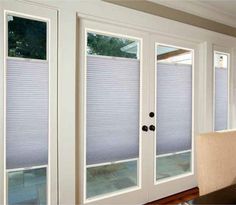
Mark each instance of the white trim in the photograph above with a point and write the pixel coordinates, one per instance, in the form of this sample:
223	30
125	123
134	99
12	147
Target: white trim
229	130
4	104
174	153
172	178
112	57
26	16
111	163
27	59
27	168
112	194
85	115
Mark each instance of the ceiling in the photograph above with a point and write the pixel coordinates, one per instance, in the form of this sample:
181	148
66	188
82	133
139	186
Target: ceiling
222	11
227	6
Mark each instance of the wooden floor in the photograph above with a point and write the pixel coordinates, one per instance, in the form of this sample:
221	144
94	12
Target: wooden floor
178	198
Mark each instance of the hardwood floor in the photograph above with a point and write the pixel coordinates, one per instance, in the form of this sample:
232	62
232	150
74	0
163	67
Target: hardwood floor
178	198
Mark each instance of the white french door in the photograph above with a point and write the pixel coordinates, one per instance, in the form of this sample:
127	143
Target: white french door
114	86
172	95
28	78
136	115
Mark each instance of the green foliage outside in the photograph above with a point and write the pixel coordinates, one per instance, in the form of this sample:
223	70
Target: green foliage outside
108	46
27	38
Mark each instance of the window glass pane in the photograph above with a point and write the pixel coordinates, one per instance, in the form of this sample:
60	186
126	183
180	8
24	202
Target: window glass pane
26	38
112	122
221	91
174	111
27	187
111	46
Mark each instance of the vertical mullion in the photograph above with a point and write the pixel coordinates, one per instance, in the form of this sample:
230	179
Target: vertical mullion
2	158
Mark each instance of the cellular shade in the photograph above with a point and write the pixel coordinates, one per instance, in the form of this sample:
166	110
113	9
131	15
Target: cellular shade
26	113
174	108
221	98
112	109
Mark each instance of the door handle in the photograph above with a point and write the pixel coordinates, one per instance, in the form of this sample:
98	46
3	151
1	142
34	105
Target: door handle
151	114
145	128
152	128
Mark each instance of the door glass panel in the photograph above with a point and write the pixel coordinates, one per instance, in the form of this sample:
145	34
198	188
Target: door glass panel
27	186
112	141
174	111
221	91
27	110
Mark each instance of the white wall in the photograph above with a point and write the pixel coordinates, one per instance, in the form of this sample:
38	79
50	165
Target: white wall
67	71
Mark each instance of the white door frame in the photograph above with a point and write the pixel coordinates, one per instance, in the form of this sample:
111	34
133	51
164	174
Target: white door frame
36	12
200	79
148	139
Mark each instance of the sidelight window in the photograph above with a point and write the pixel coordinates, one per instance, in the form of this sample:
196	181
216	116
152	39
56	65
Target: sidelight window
27	107
221	79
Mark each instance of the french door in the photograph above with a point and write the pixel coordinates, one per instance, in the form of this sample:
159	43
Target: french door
136	115
172	94
28	78
114	87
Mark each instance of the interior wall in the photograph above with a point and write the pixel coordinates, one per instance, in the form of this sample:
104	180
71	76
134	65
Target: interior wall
67	70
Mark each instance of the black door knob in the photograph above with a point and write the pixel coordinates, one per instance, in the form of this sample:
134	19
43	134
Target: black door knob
151	114
152	128
145	128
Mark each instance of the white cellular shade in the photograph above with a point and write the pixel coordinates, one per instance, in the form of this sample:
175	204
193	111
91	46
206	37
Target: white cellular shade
112	109
174	108
26	113
221	98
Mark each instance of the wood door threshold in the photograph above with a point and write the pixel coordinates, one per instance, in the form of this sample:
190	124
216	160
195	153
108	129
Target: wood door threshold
178	198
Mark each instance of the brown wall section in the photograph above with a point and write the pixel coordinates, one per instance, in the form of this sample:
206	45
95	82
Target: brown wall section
174	14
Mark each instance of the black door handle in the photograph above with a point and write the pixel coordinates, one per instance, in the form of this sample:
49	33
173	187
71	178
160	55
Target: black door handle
152	128
151	114
145	128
